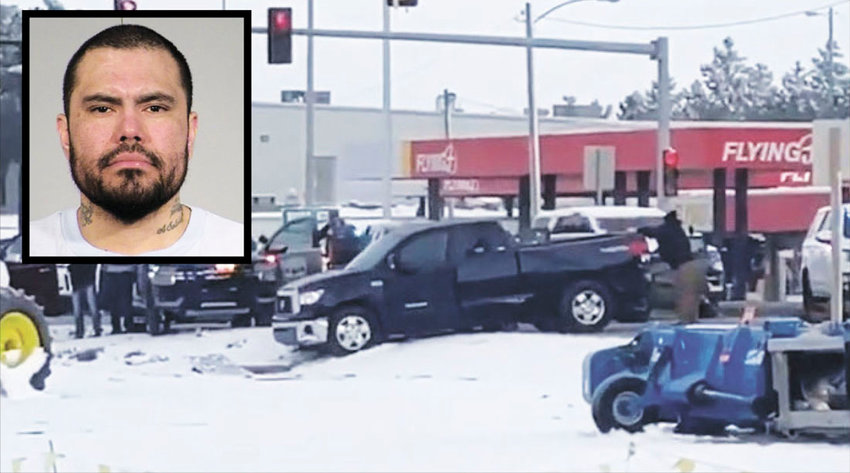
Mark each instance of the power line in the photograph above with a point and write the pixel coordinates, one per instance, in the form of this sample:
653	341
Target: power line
695	27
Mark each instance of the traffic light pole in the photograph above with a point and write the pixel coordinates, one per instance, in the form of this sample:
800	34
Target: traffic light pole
533	131
657	50
663	120
386	179
309	103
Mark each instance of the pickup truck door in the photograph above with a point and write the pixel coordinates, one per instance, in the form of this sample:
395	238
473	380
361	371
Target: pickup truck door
419	291
487	272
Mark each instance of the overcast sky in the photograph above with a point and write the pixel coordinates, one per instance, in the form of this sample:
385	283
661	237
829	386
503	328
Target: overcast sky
493	79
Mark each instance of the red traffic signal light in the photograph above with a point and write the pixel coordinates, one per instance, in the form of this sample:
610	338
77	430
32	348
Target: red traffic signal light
671	171
671	158
280	35
125	5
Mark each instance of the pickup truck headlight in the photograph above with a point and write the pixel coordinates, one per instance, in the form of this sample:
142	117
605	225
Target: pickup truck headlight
310	297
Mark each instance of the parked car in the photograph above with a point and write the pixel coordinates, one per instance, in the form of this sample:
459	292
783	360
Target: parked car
192	293
41	280
293	250
816	267
578	222
454	275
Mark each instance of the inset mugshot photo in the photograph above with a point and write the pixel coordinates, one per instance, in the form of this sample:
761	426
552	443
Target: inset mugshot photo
134	134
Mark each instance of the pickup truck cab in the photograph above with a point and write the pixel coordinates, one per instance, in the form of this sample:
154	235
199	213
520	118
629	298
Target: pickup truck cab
816	264
426	278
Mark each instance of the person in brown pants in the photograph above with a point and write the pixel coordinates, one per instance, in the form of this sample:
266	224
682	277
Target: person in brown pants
690	279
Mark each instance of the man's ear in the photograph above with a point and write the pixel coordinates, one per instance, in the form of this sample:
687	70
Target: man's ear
64	134
193	130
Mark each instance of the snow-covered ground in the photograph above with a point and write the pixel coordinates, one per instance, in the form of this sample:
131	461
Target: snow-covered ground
467	402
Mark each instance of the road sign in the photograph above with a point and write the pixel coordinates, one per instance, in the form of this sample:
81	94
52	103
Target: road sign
599	164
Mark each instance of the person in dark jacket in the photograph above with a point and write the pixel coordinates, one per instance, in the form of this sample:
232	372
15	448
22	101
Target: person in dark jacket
689	282
82	281
117	288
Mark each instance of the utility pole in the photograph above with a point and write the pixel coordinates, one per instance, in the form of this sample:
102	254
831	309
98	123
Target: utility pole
533	134
830	74
386	178
663	137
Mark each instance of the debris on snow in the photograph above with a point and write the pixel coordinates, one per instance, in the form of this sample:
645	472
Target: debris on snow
216	364
137	357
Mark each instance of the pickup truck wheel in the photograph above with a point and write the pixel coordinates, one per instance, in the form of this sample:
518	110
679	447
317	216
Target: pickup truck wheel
241	320
155	323
351	329
586	306
620	406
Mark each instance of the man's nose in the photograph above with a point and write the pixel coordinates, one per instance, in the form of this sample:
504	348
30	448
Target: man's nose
131	126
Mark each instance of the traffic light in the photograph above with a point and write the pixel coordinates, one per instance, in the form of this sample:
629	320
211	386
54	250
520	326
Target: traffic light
124	5
402	3
280	35
671	171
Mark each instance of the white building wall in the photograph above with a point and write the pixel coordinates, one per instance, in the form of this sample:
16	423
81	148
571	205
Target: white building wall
355	137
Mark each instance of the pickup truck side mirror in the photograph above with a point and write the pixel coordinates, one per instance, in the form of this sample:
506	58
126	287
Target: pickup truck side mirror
824	236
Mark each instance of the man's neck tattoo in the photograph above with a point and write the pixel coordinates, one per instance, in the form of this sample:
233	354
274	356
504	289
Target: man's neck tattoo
175	222
86	212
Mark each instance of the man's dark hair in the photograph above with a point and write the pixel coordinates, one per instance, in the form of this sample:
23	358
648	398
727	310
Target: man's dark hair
126	37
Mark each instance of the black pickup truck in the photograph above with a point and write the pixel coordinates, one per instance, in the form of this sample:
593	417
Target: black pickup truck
429	277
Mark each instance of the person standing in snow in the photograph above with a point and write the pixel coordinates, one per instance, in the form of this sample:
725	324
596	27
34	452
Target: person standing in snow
689	282
82	281
117	288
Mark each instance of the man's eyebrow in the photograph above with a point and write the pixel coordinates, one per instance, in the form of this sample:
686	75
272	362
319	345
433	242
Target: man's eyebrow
102	98
156	97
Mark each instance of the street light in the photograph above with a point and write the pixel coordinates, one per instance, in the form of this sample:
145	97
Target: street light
829	78
533	133
563	4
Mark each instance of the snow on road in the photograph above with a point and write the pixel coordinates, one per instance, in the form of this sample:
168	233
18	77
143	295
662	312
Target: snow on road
470	402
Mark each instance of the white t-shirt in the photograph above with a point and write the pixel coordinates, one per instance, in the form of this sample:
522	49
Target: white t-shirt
207	234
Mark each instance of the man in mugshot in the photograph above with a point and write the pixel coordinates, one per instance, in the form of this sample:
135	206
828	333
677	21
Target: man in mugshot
128	132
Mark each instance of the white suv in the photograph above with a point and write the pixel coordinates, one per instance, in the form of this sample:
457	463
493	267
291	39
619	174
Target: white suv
816	270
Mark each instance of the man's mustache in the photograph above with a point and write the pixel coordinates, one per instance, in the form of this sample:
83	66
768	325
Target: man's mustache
107	158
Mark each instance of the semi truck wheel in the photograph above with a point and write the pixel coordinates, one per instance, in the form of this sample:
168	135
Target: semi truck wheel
351	329
620	406
586	306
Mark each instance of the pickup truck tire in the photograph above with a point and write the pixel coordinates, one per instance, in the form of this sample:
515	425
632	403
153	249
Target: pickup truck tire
586	306
352	328
155	323
262	314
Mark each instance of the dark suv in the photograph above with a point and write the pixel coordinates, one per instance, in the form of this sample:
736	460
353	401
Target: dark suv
191	293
